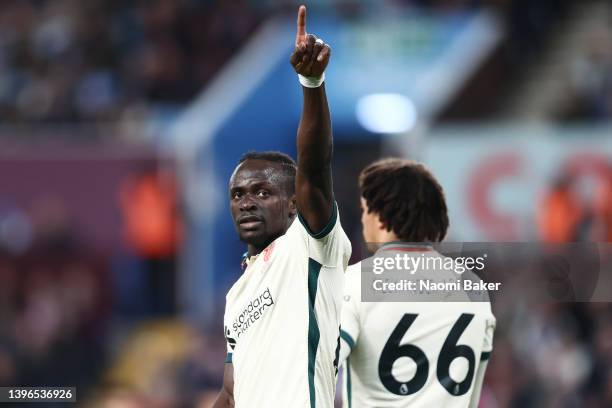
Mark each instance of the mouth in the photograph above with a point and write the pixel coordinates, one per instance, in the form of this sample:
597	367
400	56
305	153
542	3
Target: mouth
249	222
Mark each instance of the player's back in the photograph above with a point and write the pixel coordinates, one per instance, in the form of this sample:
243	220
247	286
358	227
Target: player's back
413	354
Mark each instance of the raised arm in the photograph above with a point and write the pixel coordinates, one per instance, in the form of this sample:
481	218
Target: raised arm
314	137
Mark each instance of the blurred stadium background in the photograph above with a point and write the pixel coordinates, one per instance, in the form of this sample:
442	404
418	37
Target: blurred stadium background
121	122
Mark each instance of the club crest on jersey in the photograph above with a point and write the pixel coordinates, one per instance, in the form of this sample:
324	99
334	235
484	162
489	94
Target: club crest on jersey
268	252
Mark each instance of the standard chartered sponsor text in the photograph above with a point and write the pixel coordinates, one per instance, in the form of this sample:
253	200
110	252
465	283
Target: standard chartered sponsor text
253	311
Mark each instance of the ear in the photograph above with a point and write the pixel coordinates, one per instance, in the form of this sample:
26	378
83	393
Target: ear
378	222
293	206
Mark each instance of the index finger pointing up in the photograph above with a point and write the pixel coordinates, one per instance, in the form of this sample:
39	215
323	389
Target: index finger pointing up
301	25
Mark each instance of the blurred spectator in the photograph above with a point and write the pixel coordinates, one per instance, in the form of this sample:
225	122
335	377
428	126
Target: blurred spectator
15	229
153	228
590	90
569	213
560	212
602	224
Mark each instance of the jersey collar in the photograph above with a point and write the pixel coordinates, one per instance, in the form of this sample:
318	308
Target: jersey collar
247	260
407	246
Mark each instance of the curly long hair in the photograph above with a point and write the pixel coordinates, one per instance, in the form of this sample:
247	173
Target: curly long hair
407	198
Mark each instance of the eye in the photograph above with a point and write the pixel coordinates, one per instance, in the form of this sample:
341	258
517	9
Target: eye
263	194
236	195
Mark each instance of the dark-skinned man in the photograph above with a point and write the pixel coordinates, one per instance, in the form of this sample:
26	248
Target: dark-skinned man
282	316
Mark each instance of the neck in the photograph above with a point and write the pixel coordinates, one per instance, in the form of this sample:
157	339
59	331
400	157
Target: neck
382	237
253	250
387	236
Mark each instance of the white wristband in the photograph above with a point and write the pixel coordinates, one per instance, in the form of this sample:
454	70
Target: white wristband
311	82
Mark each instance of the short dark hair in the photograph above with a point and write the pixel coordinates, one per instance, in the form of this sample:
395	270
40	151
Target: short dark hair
288	165
407	198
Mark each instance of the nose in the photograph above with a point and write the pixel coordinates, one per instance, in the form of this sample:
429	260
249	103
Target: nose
247	203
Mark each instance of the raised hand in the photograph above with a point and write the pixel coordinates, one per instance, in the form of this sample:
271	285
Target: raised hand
311	54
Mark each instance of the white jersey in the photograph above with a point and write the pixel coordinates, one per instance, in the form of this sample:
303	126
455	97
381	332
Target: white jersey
282	320
413	354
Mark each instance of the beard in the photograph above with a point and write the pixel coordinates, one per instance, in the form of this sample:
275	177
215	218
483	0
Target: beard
255	238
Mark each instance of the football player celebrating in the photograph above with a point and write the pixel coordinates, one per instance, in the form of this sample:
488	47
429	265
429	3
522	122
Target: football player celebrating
426	351
282	316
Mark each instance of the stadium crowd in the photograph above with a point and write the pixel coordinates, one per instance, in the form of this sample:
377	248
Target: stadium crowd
101	61
104	60
54	304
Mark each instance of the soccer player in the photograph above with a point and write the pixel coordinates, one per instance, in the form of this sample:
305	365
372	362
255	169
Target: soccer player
410	353
282	316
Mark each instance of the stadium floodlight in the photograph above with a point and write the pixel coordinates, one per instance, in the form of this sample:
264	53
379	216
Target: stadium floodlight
386	113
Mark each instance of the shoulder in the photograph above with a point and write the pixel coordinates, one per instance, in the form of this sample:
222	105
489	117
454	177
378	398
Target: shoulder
299	227
328	245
